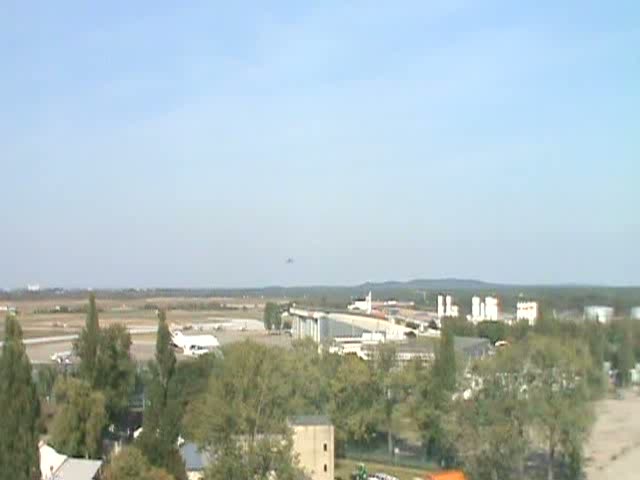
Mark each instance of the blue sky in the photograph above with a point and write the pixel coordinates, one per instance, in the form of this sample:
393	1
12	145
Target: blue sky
151	144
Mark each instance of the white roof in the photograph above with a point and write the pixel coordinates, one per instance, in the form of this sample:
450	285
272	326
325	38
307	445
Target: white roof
66	468
49	458
79	469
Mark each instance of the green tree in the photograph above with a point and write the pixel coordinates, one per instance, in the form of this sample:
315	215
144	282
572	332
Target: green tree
490	428
428	404
163	414
390	390
131	464
444	366
115	369
242	414
271	316
559	396
105	361
19	407
265	459
86	346
493	331
309	375
80	418
354	401
625	358
46	376
248	394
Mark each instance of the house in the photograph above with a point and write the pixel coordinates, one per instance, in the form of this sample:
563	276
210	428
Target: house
56	466
314	445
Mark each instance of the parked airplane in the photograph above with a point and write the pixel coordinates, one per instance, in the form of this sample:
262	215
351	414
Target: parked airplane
62	357
194	344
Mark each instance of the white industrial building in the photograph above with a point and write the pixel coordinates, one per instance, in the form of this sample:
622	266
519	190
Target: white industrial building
487	310
527	310
635	313
599	313
362	304
446	307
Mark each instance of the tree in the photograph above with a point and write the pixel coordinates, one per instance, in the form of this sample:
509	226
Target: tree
309	375
242	414
19	407
490	430
354	401
86	346
46	376
105	361
162	416
115	370
559	396
80	419
131	464
270	316
248	394
493	331
265	459
428	404
390	391
444	366
625	358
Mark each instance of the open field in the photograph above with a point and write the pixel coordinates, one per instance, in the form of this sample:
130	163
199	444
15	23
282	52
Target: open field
613	451
39	318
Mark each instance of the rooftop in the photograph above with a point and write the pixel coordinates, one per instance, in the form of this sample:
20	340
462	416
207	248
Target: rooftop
79	469
195	460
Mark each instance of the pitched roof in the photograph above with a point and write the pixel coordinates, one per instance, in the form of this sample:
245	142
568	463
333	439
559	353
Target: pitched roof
79	469
50	460
310	420
66	468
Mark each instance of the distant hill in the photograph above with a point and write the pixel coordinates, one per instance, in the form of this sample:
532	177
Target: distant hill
431	284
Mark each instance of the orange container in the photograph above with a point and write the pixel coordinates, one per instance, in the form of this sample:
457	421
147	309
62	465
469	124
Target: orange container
446	475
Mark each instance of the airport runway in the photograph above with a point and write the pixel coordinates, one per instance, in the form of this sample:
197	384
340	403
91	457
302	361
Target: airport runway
40	350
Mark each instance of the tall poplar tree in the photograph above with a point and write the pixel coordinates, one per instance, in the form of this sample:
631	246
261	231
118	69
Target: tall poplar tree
86	347
19	409
162	416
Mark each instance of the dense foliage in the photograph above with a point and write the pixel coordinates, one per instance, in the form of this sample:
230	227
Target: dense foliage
19	409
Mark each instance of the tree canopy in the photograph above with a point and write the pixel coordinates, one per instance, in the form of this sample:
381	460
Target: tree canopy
19	409
80	418
163	413
131	464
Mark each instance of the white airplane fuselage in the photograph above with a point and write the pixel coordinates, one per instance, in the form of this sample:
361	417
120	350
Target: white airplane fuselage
194	344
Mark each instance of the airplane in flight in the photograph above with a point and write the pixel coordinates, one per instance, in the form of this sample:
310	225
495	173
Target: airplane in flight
194	345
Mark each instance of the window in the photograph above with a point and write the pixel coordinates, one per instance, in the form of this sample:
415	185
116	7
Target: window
325	467
325	447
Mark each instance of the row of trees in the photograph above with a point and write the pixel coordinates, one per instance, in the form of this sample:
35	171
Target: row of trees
617	342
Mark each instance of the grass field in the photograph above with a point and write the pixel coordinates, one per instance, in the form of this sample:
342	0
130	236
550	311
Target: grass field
345	467
38	318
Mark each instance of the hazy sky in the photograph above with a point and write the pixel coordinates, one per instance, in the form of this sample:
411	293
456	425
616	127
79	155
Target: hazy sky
151	144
